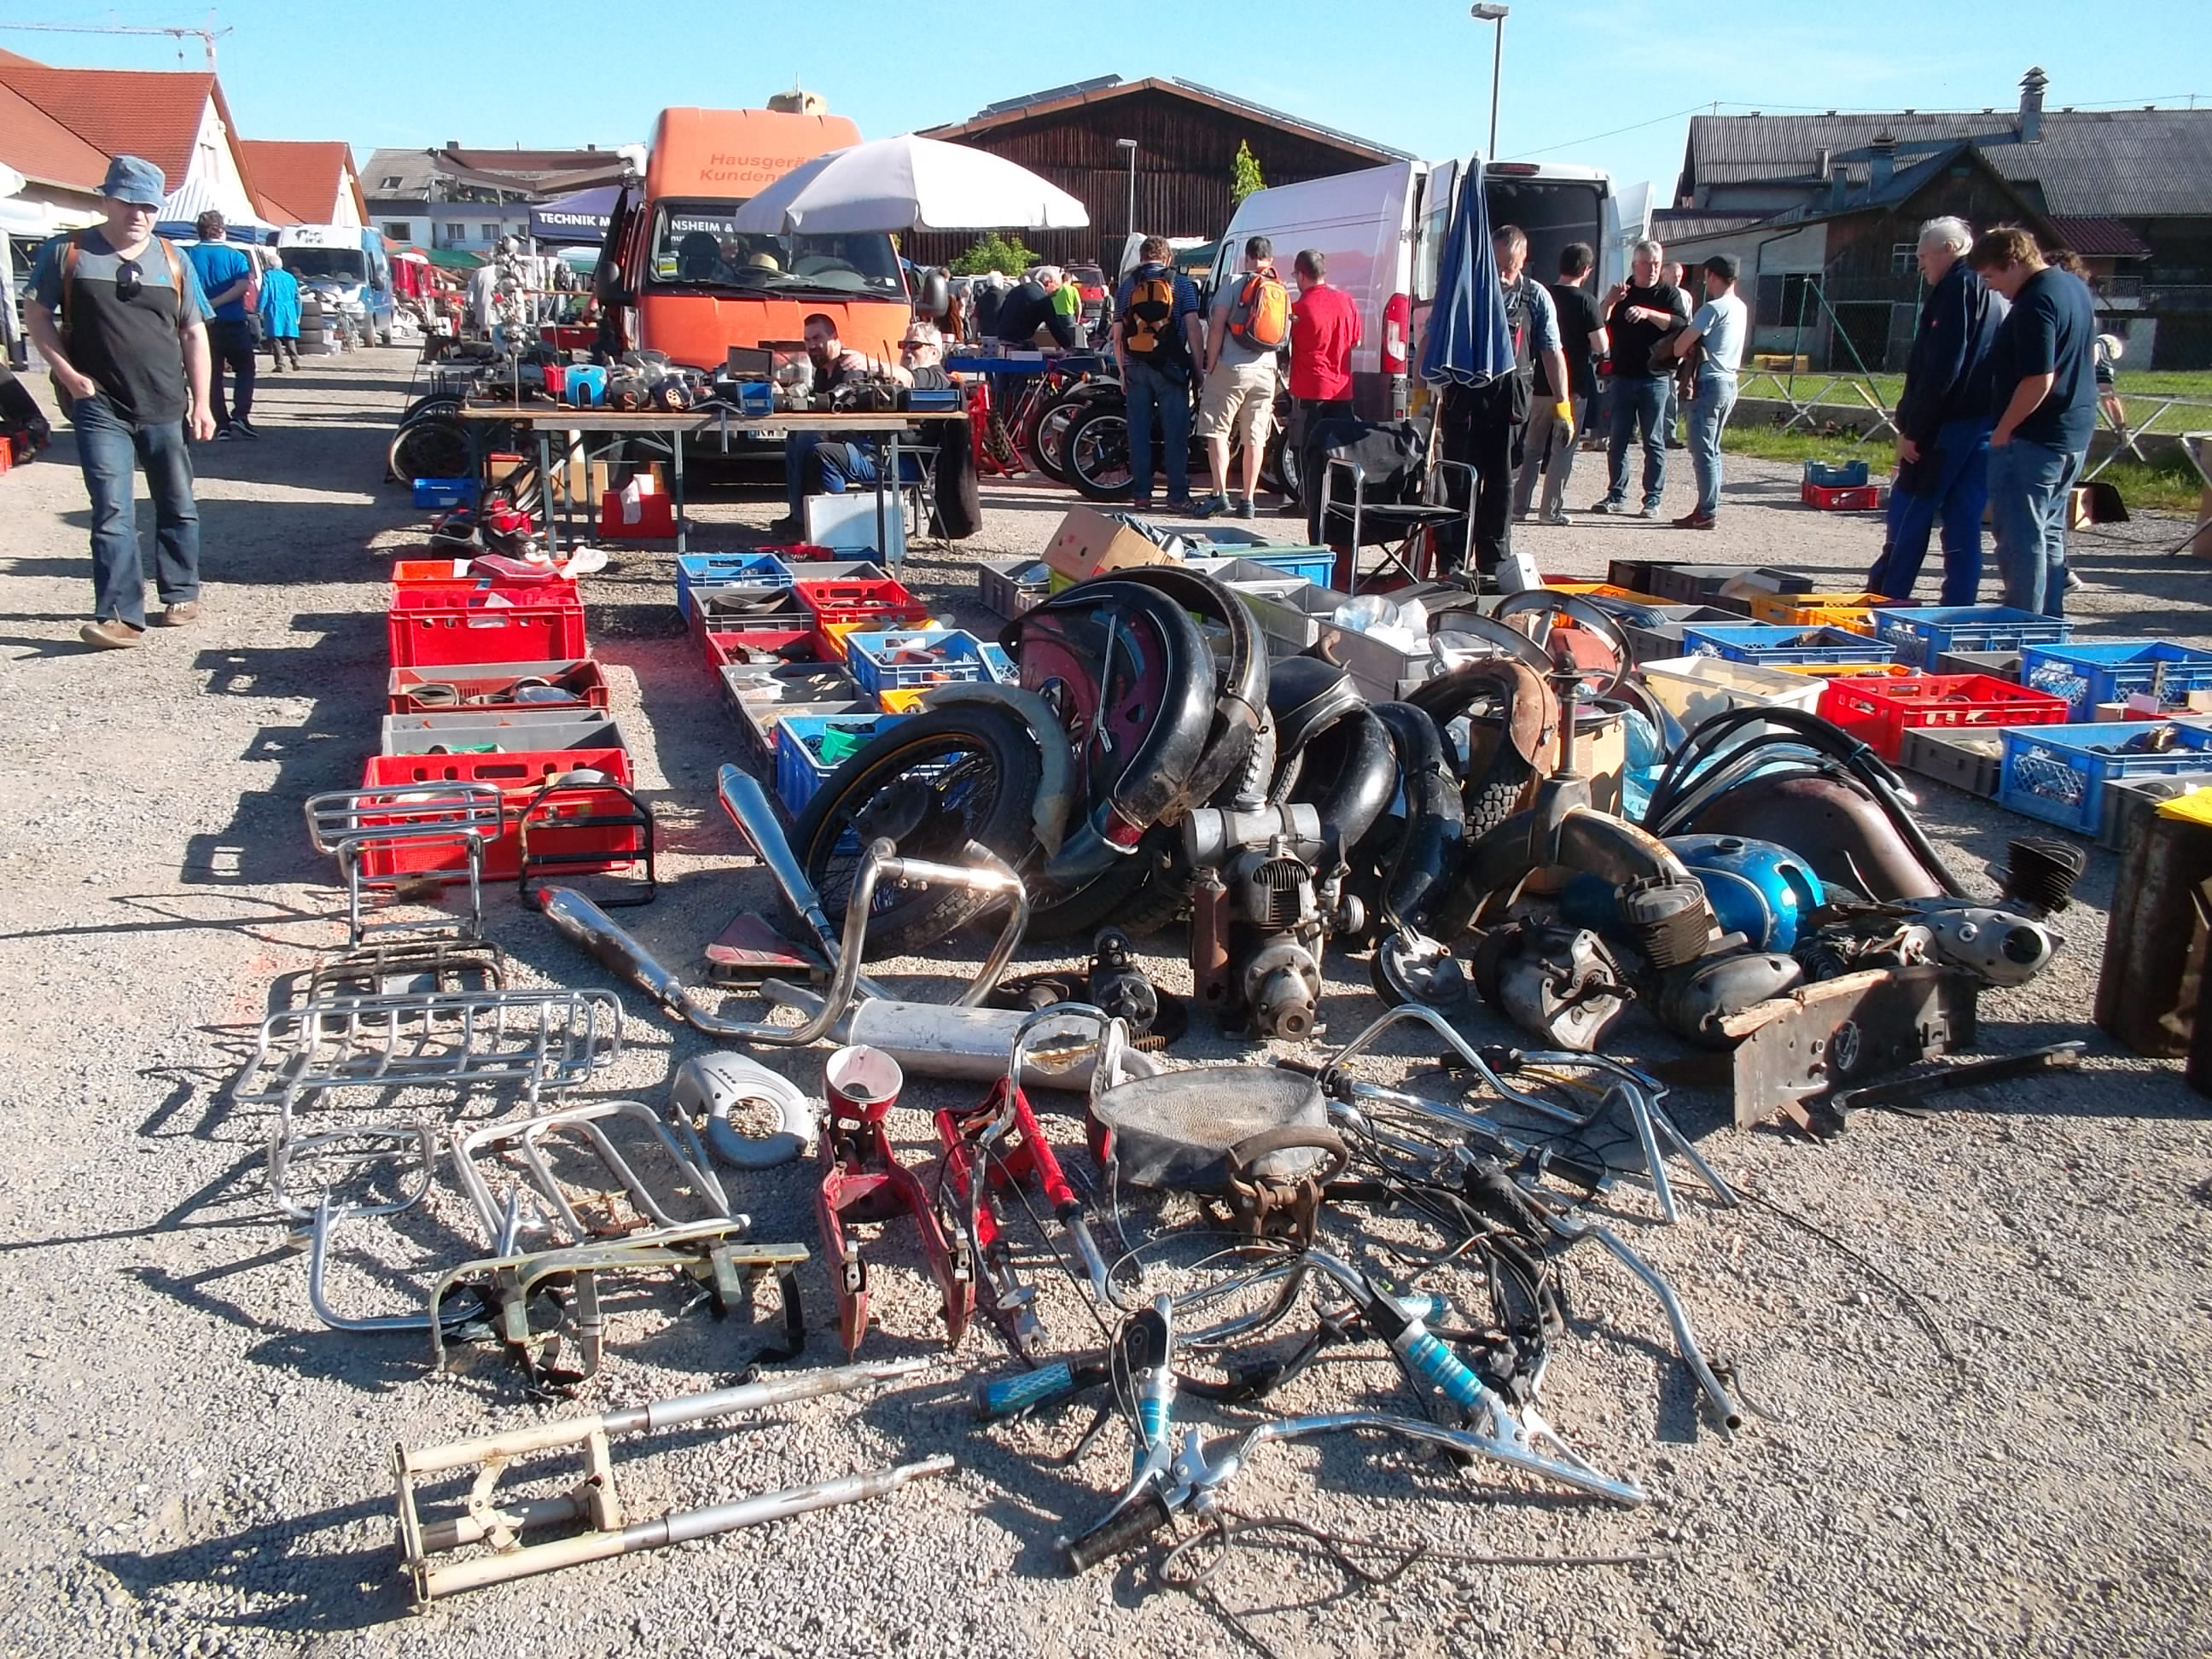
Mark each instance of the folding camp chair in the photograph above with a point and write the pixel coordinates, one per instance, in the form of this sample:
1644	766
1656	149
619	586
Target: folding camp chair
1378	488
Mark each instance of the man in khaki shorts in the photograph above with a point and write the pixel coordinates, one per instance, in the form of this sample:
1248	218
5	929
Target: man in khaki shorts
1239	392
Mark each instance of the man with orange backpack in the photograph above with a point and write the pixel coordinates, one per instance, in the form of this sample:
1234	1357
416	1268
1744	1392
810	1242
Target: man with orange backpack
1158	342
1251	323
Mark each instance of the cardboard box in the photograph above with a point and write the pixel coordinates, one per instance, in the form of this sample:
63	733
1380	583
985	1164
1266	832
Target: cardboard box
1088	543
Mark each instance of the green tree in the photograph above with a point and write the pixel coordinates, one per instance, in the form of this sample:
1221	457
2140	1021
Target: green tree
1004	254
1245	174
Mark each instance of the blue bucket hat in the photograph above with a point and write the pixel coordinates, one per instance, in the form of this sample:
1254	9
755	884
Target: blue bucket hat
136	179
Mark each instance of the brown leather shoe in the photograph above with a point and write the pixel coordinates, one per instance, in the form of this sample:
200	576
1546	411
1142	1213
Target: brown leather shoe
1693	521
182	614
110	636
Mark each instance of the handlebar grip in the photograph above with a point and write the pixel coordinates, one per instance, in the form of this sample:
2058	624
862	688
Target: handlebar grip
1118	1533
1011	1396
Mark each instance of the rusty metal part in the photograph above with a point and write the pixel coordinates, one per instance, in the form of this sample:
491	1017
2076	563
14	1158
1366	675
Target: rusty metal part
1830	823
594	1499
1794	1050
1905	1093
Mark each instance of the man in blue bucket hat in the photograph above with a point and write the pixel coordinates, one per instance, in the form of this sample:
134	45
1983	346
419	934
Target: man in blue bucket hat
120	318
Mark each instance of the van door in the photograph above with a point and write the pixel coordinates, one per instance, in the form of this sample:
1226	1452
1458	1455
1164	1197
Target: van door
1431	216
615	277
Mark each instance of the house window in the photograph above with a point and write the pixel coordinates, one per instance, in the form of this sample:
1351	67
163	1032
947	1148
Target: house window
490	232
400	230
1903	256
391	181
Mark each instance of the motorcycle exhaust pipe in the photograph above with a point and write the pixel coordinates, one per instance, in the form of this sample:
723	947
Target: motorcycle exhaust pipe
969	1044
750	810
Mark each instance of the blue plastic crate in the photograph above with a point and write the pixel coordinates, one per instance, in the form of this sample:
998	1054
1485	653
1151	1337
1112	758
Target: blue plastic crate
953	654
445	492
2058	773
2089	671
799	773
1852	475
725	570
1316	565
1921	634
1769	642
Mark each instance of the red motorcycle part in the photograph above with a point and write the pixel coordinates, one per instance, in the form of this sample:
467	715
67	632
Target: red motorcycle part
1003	1127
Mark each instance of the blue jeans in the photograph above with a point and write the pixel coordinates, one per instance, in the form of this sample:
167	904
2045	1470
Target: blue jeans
2029	485
1956	497
811	467
1709	418
231	346
1639	406
106	447
1152	394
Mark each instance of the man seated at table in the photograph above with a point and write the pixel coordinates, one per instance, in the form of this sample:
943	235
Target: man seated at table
814	466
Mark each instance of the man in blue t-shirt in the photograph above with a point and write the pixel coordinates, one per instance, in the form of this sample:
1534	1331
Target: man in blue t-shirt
226	275
2043	396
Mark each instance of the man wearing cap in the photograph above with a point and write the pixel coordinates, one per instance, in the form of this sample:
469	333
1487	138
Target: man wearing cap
1720	327
120	320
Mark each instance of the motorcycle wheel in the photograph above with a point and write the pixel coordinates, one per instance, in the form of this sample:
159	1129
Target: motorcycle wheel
436	446
1097	446
1141	894
930	784
1047	445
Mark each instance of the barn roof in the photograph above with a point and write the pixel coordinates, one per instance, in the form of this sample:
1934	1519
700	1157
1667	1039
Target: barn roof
1108	88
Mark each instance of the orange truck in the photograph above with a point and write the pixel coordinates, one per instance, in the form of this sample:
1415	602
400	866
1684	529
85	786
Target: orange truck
676	276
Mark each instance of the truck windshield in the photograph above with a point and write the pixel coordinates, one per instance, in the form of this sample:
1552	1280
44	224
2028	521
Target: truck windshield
695	244
330	264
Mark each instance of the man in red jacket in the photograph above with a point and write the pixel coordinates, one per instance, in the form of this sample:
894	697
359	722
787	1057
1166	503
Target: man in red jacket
1324	328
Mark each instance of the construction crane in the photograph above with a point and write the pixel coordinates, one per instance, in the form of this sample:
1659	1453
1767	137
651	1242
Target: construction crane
207	37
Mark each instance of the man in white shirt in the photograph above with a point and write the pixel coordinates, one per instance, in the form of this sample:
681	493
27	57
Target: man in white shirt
1722	326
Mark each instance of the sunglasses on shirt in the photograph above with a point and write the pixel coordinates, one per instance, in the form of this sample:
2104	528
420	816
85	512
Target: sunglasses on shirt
128	280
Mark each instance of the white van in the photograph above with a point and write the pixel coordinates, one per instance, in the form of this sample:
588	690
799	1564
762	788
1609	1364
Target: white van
1383	232
346	266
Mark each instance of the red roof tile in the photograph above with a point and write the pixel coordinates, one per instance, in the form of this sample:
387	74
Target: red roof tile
300	182
39	147
155	114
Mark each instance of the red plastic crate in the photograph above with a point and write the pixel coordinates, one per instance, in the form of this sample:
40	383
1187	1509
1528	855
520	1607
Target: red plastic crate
722	649
1878	711
429	629
484	679
517	777
462	574
840	605
656	519
1842	498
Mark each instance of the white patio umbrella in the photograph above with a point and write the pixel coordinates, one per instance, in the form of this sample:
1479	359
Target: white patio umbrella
909	183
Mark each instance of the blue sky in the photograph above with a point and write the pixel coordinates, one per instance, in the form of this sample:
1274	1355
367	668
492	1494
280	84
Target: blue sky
1605	82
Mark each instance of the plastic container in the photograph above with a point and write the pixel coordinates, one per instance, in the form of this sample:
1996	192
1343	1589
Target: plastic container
1316	565
1758	642
517	777
1878	710
529	732
1964	758
1851	611
732	647
2109	670
1695	689
885	661
1918	634
1008	588
883	601
1843	498
757	723
1827	474
490	688
736	604
724	569
799	771
445	492
2058	773
424	627
1687	584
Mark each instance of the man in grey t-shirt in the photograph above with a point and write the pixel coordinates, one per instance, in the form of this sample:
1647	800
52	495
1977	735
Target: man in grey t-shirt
1721	326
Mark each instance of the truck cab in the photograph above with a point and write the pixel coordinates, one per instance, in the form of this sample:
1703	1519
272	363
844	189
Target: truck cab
346	266
678	278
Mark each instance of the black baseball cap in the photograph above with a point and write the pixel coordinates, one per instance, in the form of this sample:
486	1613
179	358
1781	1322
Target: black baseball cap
1724	265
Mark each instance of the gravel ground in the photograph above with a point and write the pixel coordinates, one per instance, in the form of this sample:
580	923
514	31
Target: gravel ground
199	1467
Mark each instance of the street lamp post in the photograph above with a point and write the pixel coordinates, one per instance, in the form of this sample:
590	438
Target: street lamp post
1498	15
1128	149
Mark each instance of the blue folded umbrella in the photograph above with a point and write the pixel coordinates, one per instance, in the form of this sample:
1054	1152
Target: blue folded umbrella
1468	343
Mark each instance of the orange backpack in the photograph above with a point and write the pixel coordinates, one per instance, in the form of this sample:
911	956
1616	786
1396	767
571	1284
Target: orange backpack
1260	316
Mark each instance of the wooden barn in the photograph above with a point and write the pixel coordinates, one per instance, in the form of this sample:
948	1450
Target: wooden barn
1186	137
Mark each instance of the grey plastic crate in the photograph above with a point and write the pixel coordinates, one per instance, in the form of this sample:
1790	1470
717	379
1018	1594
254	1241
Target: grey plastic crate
1008	588
786	683
1660	641
523	733
1972	762
757	723
2127	801
1997	665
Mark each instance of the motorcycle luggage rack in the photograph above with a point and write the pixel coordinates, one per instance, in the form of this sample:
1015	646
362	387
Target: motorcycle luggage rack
594	824
393	827
409	967
539	1201
540	1039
